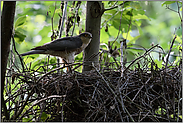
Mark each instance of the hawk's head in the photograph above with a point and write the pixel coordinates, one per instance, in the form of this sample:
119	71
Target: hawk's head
86	37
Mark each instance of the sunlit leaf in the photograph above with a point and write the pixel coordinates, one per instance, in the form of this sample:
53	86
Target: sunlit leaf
40	18
179	39
28	59
135	5
20	21
159	63
26	119
1	5
58	10
104	37
19	36
168	2
139	16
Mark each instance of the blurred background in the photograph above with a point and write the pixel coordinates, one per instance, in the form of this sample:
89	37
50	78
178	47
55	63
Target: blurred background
143	24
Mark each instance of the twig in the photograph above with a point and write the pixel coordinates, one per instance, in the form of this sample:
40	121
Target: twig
53	71
179	11
35	103
14	117
167	59
129	25
113	7
61	27
21	61
62	110
119	112
75	19
121	49
52	23
119	25
112	91
141	88
178	109
63	18
139	57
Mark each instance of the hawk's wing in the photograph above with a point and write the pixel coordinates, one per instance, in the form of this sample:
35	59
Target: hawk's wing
66	43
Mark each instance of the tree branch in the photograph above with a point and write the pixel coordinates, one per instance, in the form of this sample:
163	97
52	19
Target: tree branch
21	61
113	7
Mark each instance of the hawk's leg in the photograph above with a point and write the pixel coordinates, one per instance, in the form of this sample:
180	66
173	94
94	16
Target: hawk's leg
69	67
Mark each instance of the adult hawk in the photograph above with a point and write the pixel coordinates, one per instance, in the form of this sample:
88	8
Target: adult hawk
65	48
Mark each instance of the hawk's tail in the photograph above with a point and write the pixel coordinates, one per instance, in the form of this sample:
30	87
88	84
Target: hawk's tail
33	52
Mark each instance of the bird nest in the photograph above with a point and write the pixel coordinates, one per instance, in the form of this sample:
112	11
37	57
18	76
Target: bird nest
108	94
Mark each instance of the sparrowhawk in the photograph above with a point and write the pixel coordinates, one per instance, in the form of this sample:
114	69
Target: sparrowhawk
65	48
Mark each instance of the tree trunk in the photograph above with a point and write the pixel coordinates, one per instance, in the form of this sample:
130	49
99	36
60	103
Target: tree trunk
94	12
7	19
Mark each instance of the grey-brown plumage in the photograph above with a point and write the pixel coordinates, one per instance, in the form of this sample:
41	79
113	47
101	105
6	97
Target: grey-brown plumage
65	48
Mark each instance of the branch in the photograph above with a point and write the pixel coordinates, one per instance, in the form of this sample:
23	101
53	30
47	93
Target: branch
113	7
61	28
119	25
53	71
63	18
112	91
52	36
139	57
75	19
170	51
21	61
14	117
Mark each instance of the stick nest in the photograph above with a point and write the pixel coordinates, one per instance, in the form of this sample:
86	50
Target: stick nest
142	94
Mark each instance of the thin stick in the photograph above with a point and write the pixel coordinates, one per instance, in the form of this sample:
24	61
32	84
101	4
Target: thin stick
63	18
53	71
75	18
112	91
61	28
21	61
139	57
121	49
170	51
113	7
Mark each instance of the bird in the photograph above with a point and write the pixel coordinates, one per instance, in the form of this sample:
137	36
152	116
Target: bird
66	47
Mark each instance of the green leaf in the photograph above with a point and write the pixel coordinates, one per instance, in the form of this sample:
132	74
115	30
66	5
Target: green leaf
129	13
19	37
58	10
29	59
26	119
159	63
104	37
43	116
20	21
2	5
167	3
138	16
111	12
40	18
135	5
113	31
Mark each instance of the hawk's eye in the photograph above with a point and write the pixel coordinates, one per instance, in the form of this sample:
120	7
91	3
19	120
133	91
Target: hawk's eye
85	35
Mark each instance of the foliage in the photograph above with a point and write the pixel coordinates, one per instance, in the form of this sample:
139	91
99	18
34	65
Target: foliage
138	24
